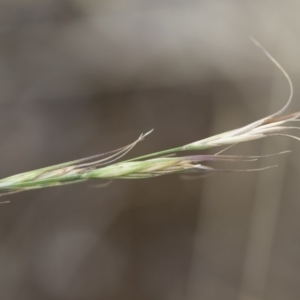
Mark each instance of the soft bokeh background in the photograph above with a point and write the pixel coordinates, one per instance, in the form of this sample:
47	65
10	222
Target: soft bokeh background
79	77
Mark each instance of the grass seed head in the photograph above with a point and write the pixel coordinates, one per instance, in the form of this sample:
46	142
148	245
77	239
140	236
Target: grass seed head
104	166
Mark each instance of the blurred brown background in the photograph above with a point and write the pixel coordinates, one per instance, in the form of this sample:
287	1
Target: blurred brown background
79	77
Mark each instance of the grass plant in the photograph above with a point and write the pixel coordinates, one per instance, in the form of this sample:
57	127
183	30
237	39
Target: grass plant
109	165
